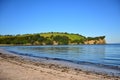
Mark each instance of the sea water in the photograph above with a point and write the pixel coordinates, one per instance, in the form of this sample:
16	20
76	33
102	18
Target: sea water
95	57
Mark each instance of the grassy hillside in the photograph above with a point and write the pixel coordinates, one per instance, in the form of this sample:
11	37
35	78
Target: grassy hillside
71	36
50	38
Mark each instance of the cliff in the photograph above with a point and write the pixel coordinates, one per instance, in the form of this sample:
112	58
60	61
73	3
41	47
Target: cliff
50	38
96	40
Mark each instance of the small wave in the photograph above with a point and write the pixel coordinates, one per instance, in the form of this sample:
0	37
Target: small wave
114	59
72	61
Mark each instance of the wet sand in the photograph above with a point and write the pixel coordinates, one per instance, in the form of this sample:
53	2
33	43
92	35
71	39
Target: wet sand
13	67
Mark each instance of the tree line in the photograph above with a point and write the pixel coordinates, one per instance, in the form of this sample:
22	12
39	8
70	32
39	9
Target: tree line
37	39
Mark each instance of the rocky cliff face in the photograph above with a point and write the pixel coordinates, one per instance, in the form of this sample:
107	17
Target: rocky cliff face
99	41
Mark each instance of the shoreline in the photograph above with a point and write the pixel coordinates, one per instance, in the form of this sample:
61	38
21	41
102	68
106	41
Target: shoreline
100	69
50	45
21	62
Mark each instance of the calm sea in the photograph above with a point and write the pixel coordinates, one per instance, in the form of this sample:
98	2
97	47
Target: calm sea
107	56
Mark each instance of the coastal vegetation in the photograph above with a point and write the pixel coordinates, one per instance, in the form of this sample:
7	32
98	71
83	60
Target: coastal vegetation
50	38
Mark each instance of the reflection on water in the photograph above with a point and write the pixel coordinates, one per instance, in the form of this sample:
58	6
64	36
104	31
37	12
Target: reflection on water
98	58
102	54
93	53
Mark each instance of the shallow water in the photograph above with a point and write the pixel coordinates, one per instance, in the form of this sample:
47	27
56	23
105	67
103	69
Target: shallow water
107	56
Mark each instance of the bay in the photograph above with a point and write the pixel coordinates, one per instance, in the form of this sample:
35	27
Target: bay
102	56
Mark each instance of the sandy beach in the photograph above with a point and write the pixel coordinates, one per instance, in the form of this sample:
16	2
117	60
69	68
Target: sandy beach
13	67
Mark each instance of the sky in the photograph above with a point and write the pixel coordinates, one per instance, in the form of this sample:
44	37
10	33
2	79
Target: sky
85	17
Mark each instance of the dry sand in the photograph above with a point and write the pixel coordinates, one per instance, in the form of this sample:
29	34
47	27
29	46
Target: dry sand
13	67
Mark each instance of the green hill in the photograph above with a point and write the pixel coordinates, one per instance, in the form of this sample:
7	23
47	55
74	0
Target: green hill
71	36
50	38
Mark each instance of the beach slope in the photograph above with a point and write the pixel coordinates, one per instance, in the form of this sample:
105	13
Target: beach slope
15	68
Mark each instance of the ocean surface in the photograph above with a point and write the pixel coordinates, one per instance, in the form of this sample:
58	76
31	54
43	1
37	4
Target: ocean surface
99	58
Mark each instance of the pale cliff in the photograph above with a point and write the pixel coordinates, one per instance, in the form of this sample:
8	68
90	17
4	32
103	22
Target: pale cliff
96	41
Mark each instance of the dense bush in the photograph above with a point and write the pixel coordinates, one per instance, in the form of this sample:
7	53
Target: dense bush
46	38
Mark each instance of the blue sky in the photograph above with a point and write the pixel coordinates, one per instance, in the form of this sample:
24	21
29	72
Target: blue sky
86	17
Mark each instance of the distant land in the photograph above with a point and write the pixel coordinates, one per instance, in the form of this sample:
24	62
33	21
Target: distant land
50	38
